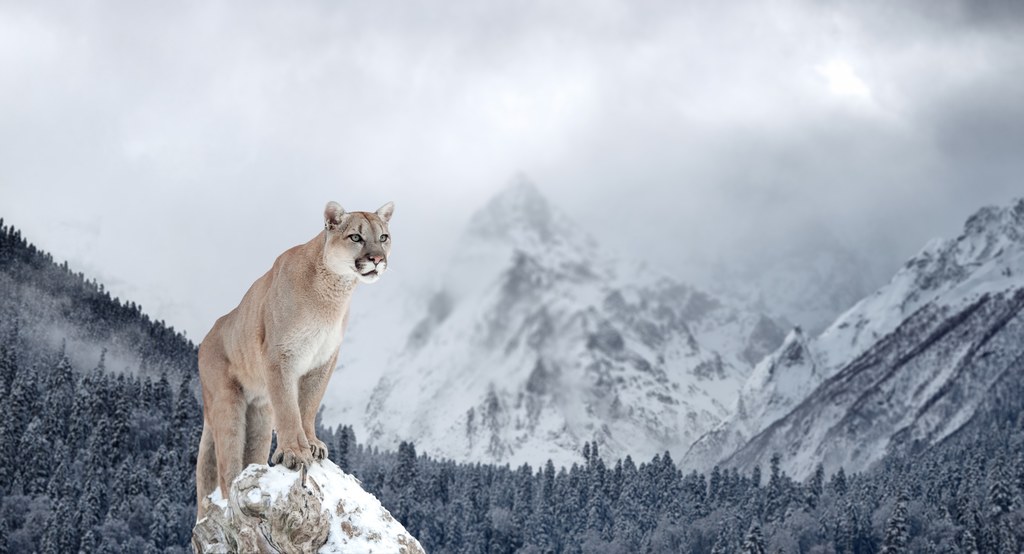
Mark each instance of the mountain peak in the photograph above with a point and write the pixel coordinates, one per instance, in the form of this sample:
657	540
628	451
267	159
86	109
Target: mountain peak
989	235
992	221
518	208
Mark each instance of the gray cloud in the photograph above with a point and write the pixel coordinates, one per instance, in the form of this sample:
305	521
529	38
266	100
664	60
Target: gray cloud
174	150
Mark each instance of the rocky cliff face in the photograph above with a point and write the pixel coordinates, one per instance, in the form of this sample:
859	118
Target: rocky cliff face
271	509
540	341
777	384
905	366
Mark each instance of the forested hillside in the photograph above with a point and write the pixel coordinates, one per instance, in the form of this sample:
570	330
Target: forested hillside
95	458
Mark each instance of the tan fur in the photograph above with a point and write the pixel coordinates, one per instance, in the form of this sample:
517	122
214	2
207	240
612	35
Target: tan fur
265	365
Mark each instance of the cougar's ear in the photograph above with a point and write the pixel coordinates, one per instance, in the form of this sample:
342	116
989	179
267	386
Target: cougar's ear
332	215
385	211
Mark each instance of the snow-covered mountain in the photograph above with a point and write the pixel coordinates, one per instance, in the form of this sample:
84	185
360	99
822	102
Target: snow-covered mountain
907	365
539	341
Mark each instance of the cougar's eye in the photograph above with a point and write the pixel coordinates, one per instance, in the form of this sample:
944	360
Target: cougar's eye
356	238
384	238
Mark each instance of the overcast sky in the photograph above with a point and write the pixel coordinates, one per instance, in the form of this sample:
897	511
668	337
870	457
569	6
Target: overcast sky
173	149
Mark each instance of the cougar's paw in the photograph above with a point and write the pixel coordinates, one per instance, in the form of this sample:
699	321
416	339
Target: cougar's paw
292	458
318	448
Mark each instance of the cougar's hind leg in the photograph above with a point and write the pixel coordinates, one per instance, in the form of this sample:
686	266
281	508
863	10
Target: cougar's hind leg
206	470
259	424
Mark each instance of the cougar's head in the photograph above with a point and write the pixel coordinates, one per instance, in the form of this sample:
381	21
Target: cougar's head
357	243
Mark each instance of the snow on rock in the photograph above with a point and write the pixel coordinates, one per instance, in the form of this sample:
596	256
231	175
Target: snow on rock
539	341
904	367
271	510
779	382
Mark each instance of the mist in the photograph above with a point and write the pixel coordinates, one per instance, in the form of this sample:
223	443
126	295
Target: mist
173	150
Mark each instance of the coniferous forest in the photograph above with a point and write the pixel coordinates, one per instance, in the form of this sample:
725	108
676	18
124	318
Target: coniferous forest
101	420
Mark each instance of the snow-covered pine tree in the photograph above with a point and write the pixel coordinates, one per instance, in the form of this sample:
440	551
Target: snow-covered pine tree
34	458
1000	491
838	482
754	541
815	488
714	485
777	493
896	537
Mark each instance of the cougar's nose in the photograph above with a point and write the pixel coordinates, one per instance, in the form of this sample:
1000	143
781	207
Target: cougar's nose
375	259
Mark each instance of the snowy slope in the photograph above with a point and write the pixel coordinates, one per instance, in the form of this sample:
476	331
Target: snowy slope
912	362
539	342
776	385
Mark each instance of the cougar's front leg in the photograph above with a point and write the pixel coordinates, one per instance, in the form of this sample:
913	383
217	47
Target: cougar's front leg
312	387
292	447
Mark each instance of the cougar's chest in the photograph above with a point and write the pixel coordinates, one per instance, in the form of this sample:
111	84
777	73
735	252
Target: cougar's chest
314	345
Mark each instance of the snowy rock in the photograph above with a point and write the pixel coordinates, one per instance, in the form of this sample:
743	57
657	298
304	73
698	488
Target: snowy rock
269	509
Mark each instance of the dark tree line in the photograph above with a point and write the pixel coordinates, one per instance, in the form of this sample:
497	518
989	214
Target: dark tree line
49	303
94	459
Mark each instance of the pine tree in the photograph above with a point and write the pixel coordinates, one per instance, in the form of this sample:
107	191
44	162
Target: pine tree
599	518
896	536
542	520
60	484
186	422
401	482
59	397
161	527
5	531
721	545
522	500
1005	536
815	487
91	504
844	531
714	485
571	512
34	453
90	543
839	482
775	505
8	363
1000	494
472	508
80	421
163	399
19	410
968	543
61	534
341	451
754	542
118	441
628	513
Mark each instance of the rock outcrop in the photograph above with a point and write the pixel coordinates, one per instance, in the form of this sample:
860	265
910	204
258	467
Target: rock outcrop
271	510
